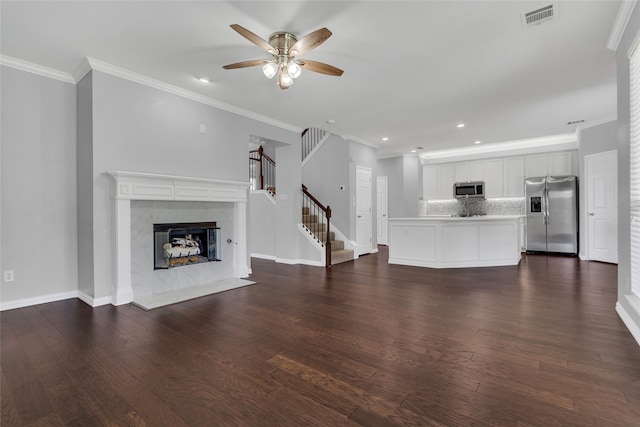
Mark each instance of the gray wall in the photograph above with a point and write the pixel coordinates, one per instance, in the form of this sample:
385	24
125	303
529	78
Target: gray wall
288	202
412	185
261	221
142	129
624	228
323	174
39	232
404	181
597	139
393	169
363	155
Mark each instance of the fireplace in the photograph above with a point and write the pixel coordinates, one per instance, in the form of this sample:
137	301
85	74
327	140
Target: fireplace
179	244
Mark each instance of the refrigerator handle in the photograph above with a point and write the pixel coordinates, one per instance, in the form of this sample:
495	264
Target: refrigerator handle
545	207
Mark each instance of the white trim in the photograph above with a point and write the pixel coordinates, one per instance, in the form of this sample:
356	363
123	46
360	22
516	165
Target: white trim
40	70
360	140
627	319
262	256
316	148
633	46
94	302
81	70
267	194
42	299
166	87
622	19
567	141
299	261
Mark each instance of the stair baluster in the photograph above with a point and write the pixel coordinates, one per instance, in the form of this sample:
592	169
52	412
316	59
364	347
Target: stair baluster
317	221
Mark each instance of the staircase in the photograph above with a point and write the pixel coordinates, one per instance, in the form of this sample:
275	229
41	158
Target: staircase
338	252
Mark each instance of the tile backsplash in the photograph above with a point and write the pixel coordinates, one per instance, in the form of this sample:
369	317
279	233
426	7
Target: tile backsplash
502	206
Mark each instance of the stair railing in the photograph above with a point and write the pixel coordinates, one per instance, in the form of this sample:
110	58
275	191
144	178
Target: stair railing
321	228
310	138
262	171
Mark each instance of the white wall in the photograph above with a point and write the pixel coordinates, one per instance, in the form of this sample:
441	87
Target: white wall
39	232
624	227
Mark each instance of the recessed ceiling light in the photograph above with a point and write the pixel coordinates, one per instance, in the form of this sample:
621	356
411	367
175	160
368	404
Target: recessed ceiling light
385	139
460	125
204	79
331	121
414	151
477	142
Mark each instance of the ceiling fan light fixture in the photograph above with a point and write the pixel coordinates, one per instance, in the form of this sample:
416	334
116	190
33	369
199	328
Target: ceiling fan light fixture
284	79
270	69
294	69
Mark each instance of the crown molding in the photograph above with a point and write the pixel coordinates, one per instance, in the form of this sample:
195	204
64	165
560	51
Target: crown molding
622	19
81	70
166	87
30	67
567	141
359	140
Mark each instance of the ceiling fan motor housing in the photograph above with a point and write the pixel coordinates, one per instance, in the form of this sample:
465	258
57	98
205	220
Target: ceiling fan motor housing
282	42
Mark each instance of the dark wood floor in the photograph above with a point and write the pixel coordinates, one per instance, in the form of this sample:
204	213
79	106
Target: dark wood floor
363	343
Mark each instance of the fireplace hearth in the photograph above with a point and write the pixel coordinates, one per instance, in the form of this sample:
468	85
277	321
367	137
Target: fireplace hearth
180	244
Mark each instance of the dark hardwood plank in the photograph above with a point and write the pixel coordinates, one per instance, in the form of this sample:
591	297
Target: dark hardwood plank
361	343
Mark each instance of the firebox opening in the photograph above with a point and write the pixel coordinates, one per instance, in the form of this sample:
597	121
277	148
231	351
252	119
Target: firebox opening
178	244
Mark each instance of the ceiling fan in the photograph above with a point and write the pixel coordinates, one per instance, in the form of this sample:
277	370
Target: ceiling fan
285	47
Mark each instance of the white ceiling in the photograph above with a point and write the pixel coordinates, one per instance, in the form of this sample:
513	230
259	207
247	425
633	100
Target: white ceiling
412	70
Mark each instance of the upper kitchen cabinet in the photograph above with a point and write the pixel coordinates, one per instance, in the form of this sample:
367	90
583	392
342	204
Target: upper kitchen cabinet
558	163
469	171
514	177
494	177
504	177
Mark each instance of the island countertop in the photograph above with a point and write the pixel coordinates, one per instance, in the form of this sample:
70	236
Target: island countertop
444	241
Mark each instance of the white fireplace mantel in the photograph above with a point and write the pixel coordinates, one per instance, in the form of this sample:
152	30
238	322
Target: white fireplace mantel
146	186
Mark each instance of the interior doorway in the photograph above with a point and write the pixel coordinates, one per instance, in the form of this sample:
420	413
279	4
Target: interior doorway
381	210
363	210
601	185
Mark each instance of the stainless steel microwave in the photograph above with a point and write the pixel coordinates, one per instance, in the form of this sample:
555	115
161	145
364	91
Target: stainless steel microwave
463	190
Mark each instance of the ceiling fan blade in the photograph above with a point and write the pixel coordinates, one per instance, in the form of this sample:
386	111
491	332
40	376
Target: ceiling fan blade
245	64
252	38
310	41
320	67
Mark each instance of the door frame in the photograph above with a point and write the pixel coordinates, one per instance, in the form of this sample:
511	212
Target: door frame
585	215
361	250
384	240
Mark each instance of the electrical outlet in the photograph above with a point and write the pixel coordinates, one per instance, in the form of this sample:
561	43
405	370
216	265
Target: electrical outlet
9	276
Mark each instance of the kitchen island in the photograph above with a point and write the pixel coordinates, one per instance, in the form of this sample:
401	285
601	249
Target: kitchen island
453	242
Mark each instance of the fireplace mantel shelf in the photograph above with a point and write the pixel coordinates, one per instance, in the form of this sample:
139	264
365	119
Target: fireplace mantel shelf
148	186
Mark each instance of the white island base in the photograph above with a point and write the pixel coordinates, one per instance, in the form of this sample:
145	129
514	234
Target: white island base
453	242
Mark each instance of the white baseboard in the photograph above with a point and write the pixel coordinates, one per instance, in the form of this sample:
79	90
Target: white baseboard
262	256
299	261
42	299
94	302
628	321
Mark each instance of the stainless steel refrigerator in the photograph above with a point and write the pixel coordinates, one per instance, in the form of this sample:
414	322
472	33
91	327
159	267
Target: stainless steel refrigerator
552	214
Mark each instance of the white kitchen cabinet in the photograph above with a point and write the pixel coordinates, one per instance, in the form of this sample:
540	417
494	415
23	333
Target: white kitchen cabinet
494	177
469	171
446	178
430	182
514	177
504	177
561	163
536	165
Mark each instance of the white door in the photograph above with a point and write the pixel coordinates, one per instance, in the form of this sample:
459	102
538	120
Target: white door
601	172
382	208
363	210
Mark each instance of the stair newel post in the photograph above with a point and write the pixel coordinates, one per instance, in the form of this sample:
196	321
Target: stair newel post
328	238
260	153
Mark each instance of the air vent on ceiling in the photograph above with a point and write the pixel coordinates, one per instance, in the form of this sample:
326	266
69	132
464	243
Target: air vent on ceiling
538	16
